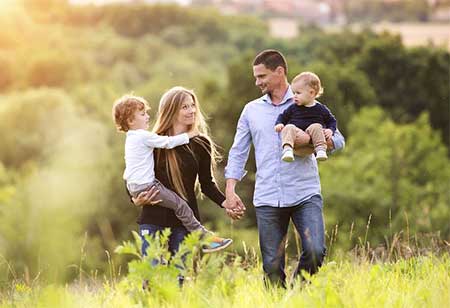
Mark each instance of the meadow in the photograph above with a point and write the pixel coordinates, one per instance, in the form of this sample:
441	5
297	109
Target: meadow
64	213
406	276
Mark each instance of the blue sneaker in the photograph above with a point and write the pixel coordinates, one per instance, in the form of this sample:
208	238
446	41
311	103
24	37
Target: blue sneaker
217	243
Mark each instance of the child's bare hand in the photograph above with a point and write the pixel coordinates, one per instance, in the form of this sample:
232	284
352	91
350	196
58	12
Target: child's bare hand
279	127
327	133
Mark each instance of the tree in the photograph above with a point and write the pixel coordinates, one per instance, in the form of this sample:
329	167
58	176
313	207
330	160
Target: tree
62	169
409	81
389	169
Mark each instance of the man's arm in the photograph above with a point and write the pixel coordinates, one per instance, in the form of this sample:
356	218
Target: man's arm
234	171
338	141
238	154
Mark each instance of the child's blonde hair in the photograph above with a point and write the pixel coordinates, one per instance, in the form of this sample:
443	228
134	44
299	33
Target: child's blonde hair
310	79
124	108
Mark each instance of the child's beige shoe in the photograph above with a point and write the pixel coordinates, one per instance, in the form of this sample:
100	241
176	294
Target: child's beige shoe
288	155
321	155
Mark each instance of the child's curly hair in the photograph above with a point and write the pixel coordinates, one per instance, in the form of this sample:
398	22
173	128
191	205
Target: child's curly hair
124	108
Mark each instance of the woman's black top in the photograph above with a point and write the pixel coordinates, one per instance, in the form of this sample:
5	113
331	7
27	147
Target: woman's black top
191	166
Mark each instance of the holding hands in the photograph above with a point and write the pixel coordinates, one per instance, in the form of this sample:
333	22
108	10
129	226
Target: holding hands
233	204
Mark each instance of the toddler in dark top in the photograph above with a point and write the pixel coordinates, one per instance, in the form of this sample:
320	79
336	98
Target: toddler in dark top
306	115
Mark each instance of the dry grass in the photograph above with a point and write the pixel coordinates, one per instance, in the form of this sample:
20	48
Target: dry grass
413	34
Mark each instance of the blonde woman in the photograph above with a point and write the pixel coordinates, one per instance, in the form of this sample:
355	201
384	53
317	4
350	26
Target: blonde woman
179	168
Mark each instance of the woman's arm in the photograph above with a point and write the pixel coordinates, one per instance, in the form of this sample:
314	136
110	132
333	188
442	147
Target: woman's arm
205	176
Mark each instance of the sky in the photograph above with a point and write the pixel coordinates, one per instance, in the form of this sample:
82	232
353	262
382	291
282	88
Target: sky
98	2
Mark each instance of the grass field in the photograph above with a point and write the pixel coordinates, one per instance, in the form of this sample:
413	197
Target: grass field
414	34
417	282
352	279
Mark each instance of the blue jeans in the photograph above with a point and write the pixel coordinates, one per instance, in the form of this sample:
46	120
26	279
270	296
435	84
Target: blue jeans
273	225
177	235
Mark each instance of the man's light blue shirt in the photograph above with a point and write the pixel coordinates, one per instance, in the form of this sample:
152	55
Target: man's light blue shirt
278	184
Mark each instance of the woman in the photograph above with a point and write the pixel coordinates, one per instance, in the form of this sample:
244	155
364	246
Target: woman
179	168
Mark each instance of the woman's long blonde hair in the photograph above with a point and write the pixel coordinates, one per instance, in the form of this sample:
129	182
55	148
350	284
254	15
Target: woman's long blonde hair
169	106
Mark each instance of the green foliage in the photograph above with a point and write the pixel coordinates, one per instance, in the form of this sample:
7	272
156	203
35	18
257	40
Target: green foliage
399	174
29	115
160	271
51	70
386	63
53	155
416	282
61	160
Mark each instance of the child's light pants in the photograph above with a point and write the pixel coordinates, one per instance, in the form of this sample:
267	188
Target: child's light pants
299	139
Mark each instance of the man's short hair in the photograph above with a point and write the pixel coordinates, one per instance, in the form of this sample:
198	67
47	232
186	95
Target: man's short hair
271	59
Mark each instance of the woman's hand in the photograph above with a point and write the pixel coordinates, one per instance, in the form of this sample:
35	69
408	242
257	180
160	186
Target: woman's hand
235	212
147	197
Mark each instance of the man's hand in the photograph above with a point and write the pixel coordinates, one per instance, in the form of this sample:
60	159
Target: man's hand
147	197
279	127
234	213
327	133
233	204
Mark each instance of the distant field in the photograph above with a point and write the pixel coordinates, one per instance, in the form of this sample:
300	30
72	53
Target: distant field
413	34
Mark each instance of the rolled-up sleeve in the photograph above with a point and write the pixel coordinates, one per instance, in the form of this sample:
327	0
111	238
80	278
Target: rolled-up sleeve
338	141
238	155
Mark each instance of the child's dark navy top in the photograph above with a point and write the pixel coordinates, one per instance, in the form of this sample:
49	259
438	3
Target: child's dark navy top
302	116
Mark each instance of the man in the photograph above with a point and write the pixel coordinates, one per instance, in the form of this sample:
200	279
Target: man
283	191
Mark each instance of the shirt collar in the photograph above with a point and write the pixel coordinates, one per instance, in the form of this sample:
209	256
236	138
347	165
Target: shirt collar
287	96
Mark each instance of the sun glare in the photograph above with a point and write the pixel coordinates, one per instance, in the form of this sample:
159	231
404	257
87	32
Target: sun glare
7	3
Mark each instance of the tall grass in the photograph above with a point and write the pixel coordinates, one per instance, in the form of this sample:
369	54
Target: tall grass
403	277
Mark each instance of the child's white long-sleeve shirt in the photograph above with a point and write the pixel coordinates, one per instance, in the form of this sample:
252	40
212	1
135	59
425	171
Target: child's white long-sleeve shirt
139	145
